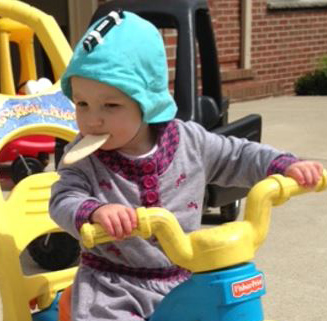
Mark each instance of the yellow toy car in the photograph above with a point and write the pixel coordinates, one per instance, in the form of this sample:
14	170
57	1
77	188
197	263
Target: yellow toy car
18	26
30	123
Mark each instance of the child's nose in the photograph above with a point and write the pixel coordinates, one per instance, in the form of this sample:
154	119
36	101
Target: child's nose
95	121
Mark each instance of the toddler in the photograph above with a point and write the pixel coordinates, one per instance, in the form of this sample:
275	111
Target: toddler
117	79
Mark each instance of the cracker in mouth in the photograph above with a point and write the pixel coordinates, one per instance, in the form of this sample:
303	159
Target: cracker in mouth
85	147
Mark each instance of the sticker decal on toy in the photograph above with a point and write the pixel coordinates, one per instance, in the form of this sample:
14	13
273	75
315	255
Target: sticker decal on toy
248	286
53	108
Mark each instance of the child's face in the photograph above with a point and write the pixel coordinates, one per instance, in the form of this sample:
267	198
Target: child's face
101	109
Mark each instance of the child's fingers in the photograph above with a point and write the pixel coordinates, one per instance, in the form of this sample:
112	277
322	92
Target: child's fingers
108	227
102	217
297	174
125	222
306	173
117	225
117	220
317	172
312	173
132	216
308	176
319	167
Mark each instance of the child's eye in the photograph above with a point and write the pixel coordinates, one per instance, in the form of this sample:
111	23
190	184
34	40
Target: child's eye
81	104
111	105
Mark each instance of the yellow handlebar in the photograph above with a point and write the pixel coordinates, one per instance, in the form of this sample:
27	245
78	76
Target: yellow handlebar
218	247
273	191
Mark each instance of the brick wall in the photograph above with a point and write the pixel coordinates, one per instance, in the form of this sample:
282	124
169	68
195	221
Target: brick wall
170	39
225	15
285	45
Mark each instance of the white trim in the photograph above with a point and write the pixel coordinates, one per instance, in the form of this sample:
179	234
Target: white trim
294	4
246	34
116	17
97	35
80	13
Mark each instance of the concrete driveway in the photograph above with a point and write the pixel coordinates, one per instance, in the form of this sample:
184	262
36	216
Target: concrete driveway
294	256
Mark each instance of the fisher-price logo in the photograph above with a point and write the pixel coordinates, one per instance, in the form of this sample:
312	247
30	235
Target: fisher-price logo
248	286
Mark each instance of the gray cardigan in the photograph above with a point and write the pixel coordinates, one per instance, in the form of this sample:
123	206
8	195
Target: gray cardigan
174	177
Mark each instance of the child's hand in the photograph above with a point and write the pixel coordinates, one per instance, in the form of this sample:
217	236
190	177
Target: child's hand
117	220
306	173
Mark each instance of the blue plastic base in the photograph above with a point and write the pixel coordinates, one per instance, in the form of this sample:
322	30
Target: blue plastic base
49	314
226	295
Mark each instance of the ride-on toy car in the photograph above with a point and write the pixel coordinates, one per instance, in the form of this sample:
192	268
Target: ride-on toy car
225	284
27	155
202	102
36	116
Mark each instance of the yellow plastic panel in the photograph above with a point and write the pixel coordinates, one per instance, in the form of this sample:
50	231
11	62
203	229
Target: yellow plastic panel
19	224
14	31
45	27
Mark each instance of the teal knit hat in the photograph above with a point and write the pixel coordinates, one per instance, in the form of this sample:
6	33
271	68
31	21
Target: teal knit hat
131	57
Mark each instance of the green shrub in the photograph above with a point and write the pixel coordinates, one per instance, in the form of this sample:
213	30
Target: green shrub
322	64
313	83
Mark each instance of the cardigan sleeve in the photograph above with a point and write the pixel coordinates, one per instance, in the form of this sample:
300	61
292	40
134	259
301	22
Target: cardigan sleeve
231	161
72	200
